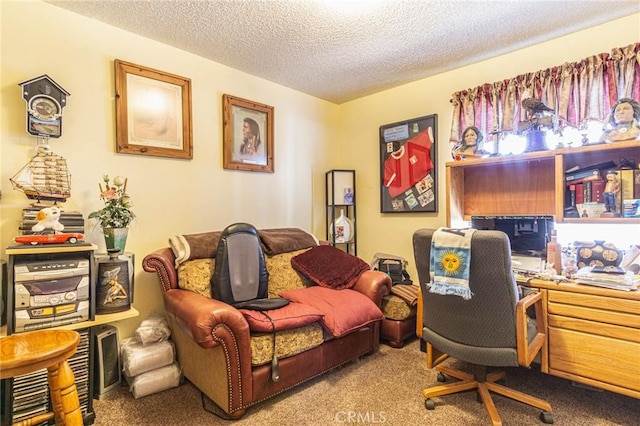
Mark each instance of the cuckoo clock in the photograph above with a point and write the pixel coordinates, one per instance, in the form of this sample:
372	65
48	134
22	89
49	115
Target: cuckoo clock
45	100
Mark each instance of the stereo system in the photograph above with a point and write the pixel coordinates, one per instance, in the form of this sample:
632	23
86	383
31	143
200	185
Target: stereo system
50	293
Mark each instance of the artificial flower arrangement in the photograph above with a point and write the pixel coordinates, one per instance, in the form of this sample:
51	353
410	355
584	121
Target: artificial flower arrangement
116	212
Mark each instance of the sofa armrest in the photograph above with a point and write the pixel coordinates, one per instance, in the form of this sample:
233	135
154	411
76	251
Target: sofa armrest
374	284
162	262
208	321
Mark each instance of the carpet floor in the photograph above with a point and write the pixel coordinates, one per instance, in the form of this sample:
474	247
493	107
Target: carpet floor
381	389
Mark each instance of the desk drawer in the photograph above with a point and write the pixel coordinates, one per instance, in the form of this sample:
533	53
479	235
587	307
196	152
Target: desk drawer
601	358
594	327
603	309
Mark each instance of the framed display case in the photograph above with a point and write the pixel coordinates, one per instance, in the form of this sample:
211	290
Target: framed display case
408	166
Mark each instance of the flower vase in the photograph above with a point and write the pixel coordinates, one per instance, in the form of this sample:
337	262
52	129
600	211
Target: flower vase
341	229
115	238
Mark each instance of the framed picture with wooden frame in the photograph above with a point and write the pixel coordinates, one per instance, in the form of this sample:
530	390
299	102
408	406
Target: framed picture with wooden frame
153	112
247	135
408	166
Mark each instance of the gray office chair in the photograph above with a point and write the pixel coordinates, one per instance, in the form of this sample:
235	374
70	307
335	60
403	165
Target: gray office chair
489	330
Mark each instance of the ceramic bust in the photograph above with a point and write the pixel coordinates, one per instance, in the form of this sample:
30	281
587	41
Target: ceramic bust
469	146
623	121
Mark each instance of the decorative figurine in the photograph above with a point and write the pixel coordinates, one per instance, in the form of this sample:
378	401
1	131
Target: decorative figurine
48	218
468	147
539	117
610	194
623	121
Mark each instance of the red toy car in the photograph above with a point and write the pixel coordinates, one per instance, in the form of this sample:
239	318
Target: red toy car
35	239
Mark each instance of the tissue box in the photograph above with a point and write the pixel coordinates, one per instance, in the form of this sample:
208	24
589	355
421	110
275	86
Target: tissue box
137	359
153	381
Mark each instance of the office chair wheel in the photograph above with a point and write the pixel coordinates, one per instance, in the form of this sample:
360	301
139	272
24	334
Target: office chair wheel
429	404
441	377
546	417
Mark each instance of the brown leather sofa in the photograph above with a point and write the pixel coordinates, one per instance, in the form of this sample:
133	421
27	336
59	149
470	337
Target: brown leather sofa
214	342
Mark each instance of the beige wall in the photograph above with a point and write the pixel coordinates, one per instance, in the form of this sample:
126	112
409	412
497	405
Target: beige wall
170	196
361	119
180	196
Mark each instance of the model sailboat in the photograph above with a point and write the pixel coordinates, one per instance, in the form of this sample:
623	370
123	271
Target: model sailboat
45	177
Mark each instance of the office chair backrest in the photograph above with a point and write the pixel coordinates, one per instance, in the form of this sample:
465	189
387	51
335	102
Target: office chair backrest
488	318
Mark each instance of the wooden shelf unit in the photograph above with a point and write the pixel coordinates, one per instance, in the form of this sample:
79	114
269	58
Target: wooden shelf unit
82	362
335	183
99	320
526	184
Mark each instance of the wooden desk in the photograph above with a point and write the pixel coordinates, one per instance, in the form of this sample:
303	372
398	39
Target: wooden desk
593	335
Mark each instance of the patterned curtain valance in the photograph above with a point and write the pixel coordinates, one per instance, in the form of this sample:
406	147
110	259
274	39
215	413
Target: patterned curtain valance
576	91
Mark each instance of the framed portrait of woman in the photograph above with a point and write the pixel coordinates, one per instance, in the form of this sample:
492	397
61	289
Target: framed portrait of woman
247	135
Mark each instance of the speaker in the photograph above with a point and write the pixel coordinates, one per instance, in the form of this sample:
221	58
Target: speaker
106	360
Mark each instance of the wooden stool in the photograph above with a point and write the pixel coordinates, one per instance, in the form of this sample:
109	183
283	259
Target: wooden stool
28	352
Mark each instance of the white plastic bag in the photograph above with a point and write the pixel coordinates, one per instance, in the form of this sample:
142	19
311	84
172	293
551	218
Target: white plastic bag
156	380
137	359
152	330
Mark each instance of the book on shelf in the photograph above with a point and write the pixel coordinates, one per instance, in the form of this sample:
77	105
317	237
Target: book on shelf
586	191
579	193
33	211
571	196
594	176
63	220
575	174
591	209
67	229
629	183
591	174
73	221
597	191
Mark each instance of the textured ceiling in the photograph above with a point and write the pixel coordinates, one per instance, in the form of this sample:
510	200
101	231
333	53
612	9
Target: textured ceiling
339	53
